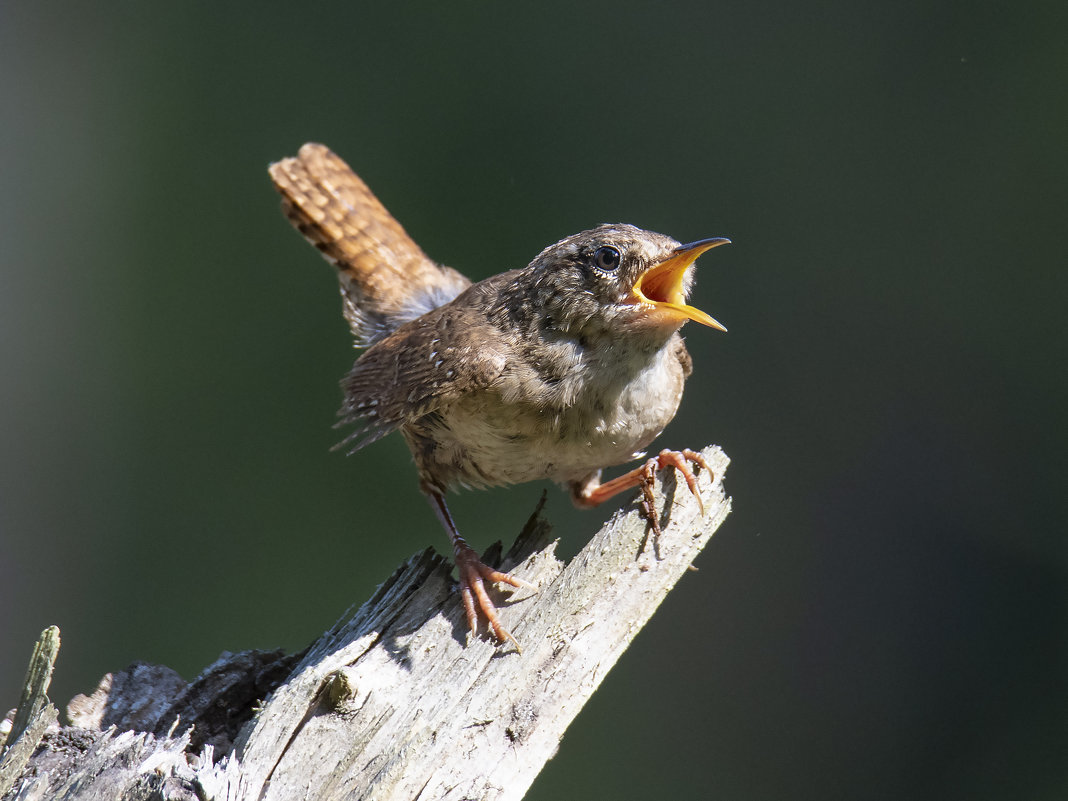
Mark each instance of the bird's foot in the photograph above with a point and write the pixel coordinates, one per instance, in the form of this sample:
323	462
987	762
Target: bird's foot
646	479
474	575
591	492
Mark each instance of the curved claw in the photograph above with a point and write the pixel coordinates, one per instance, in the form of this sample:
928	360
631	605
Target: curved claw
680	461
473	577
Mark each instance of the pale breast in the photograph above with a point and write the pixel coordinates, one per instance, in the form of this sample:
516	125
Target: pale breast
611	411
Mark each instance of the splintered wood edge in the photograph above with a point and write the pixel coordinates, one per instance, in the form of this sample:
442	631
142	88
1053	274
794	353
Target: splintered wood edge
397	702
394	702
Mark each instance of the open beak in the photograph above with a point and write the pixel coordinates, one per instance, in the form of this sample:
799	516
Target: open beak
662	284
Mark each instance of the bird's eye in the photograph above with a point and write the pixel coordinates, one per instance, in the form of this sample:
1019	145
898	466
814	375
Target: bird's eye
606	258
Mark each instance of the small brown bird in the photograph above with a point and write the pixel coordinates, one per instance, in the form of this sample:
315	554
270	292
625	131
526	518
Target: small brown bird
552	371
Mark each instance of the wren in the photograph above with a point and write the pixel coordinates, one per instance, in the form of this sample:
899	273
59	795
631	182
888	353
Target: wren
553	371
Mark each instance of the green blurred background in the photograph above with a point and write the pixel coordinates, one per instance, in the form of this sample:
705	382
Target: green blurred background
884	615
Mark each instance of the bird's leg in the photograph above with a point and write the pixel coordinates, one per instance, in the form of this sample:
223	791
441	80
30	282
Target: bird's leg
591	492
474	575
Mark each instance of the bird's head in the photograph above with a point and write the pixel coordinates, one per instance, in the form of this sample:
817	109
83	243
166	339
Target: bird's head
621	279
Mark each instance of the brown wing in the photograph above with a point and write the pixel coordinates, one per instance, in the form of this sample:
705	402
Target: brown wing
386	279
423	366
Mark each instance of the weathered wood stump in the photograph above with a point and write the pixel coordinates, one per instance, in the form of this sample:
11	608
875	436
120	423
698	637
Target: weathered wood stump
394	701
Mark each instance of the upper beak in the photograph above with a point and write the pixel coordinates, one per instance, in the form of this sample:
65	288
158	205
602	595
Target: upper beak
662	284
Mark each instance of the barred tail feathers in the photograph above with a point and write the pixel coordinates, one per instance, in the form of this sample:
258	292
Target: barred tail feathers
385	278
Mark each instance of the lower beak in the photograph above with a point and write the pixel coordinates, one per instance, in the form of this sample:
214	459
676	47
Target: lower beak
662	285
